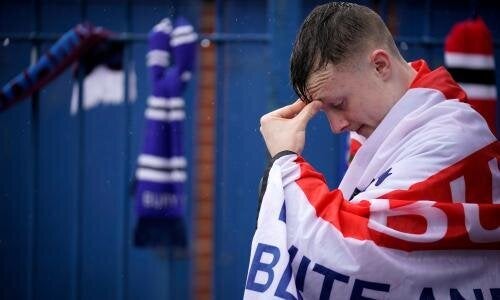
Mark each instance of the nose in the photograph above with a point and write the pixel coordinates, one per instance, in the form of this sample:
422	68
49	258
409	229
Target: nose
338	123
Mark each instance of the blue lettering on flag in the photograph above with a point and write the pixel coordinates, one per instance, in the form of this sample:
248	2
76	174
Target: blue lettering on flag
330	277
257	265
287	275
382	177
478	294
495	294
301	273
455	295
282	216
427	294
360	285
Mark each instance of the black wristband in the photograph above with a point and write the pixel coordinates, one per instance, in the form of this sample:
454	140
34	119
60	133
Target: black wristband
263	180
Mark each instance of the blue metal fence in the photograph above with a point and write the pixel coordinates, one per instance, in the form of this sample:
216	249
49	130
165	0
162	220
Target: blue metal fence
66	212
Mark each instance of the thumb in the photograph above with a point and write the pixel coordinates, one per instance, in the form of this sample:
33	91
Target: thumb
308	112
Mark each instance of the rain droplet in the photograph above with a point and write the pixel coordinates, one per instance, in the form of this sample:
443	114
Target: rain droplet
403	46
205	43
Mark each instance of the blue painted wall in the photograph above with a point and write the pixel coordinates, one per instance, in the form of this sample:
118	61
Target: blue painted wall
66	218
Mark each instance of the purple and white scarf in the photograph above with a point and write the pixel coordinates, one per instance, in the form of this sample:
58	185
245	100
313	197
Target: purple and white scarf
161	173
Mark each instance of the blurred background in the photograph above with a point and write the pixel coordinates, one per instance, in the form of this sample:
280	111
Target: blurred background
66	212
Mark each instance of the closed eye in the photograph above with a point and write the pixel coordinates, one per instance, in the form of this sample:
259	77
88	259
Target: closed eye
337	105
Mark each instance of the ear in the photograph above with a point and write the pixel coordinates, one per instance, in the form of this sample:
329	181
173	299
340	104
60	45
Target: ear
381	62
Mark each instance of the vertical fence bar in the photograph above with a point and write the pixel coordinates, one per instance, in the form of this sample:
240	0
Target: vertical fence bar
384	13
123	254
32	216
35	148
80	174
427	30
219	150
271	23
80	188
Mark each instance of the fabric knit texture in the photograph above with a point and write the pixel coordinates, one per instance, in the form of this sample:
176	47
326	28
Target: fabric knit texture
160	195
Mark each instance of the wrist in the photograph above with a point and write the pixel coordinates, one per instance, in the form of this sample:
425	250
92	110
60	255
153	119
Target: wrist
280	154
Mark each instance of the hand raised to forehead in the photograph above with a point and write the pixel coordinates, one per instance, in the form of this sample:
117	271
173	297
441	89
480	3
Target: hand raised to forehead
285	128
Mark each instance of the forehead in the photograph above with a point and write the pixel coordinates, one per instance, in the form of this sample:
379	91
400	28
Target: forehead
319	79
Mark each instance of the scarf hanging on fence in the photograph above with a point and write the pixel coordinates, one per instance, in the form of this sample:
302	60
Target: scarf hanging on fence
161	172
468	56
103	74
69	48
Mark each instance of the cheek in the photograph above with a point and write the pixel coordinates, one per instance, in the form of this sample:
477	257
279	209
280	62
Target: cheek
367	109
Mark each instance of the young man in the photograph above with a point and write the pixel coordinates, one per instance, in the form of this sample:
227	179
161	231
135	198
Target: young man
416	214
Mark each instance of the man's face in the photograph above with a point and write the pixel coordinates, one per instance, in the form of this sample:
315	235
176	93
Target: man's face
352	97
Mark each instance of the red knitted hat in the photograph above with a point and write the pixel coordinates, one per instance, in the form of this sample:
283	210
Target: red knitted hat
468	56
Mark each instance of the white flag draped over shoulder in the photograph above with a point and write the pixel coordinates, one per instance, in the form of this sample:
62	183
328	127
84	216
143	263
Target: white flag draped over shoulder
350	251
417	215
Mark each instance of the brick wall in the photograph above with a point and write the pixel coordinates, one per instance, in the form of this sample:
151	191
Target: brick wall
205	127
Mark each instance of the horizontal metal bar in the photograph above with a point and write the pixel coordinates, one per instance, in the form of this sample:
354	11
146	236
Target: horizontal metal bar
428	41
139	37
239	37
214	37
50	37
422	40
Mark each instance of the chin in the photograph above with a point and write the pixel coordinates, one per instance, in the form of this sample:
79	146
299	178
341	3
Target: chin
364	131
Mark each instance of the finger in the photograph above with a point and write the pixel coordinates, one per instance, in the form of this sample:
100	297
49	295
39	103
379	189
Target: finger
289	111
308	112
